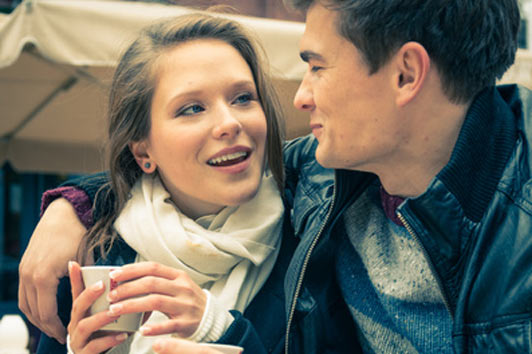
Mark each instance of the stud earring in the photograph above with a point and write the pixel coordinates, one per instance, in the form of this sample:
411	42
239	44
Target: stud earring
147	165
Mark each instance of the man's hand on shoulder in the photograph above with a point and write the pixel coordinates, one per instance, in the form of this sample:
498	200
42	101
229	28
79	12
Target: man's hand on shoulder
54	242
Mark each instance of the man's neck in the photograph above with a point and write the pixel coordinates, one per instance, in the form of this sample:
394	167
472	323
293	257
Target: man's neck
437	126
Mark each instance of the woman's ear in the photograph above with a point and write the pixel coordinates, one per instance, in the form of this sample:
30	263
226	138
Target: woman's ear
139	149
412	66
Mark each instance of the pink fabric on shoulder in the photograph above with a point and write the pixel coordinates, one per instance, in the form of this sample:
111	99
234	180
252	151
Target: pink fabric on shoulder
76	197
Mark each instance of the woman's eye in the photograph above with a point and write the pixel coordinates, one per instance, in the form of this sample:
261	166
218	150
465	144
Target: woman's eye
315	68
244	99
190	110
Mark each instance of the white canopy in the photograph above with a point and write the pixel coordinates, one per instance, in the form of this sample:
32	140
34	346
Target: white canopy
56	62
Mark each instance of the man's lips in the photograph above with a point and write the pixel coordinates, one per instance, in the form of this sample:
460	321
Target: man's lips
316	129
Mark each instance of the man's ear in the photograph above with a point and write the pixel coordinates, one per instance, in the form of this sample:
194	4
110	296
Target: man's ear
139	149
412	63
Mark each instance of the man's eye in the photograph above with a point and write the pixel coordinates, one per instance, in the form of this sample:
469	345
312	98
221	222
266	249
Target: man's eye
190	110
244	98
315	68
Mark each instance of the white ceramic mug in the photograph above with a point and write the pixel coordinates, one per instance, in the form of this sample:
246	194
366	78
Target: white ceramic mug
125	323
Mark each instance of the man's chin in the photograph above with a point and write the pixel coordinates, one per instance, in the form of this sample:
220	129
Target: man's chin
323	160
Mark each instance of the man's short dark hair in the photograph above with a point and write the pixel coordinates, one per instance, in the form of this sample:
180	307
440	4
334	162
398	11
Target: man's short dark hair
472	42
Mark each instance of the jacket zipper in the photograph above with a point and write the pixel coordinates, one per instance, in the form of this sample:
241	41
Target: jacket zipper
429	261
304	268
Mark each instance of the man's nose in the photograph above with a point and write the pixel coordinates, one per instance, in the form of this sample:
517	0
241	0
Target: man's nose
304	99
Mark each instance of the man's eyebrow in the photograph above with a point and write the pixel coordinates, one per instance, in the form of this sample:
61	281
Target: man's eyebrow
307	55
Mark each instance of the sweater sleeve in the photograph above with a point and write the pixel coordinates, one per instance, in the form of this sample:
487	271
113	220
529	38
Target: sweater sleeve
76	197
81	194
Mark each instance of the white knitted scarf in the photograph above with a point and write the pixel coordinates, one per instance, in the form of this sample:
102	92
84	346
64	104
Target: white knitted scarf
231	254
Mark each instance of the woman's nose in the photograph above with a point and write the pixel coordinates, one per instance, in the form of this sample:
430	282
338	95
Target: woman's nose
227	125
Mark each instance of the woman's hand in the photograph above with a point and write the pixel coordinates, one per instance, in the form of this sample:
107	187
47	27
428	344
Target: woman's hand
82	327
150	286
59	233
179	346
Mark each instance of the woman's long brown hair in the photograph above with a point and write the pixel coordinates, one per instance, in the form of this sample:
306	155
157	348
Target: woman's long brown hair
129	110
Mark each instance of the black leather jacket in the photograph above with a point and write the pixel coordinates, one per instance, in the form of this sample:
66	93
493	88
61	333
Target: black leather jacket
474	223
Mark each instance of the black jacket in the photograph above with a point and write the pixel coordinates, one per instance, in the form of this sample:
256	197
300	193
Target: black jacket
474	224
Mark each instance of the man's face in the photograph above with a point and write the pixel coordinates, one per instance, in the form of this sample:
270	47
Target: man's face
352	113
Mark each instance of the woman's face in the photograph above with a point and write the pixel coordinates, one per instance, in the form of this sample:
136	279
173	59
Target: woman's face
208	129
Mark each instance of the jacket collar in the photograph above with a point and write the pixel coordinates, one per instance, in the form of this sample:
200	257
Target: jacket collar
482	150
445	216
477	162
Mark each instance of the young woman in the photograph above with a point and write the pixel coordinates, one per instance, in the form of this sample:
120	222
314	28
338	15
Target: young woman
196	209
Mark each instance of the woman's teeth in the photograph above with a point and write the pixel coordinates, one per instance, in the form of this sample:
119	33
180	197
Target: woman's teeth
228	159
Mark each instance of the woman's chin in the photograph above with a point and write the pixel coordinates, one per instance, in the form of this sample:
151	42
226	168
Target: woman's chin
243	194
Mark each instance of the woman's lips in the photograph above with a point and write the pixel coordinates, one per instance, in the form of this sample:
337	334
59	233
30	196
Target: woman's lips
229	159
232	160
234	166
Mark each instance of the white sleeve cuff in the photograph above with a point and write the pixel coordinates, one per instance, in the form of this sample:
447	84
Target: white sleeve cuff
215	321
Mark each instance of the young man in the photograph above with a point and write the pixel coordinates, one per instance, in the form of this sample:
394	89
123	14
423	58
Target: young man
425	224
432	199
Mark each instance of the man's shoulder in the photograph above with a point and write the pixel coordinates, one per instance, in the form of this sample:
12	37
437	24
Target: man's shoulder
301	164
300	151
518	98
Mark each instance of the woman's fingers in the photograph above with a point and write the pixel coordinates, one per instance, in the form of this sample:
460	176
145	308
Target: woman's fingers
82	331
76	280
153	285
184	317
153	302
82	328
169	282
181	326
100	344
179	346
150	287
171	306
105	343
84	300
142	269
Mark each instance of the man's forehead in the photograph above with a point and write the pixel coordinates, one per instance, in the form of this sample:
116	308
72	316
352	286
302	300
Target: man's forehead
320	36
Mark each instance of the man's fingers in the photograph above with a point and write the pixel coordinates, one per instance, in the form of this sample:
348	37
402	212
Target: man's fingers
45	307
23	303
56	329
58	232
